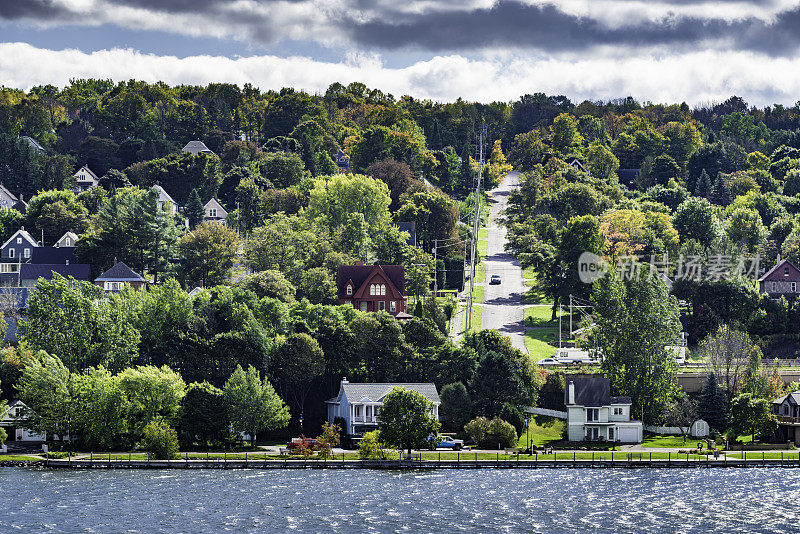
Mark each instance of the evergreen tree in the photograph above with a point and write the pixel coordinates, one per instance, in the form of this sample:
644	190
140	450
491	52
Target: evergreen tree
720	193
703	185
418	309
436	136
466	175
194	209
713	408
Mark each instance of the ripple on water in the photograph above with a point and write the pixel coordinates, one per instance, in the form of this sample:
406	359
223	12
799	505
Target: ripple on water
548	501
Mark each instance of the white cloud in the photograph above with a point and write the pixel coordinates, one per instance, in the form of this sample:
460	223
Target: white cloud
696	77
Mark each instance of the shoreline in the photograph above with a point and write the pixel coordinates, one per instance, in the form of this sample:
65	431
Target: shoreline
510	463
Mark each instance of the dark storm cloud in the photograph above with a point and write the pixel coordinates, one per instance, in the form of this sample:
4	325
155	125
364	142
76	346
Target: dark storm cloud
41	10
514	24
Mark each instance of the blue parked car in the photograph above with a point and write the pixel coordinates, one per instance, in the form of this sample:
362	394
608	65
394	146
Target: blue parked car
446	442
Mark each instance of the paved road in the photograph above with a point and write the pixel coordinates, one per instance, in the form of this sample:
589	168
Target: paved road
503	308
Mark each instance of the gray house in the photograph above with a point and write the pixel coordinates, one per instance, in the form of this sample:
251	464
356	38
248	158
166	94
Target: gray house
19	247
360	404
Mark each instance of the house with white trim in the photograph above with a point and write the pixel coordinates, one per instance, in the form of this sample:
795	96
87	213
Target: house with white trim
359	404
197	147
165	201
594	415
13	421
85	179
214	212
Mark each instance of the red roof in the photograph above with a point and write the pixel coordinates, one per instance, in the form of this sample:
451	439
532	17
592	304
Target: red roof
358	274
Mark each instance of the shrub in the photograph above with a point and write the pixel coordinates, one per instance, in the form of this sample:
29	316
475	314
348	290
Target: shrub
328	439
160	440
490	434
456	406
511	413
370	446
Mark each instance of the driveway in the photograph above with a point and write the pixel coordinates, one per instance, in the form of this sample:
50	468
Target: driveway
503	308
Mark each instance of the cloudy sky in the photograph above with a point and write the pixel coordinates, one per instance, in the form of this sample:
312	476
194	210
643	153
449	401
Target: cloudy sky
656	50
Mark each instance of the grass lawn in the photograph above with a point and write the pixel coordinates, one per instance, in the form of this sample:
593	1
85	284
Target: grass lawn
483	233
480	273
540	314
534	295
665	442
528	274
478	294
19	458
538	340
482	244
477	318
541	435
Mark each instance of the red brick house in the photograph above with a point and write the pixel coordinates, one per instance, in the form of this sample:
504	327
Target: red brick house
373	288
783	279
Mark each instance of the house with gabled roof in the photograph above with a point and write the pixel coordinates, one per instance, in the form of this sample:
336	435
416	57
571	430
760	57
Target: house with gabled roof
787	411
197	147
18	248
594	415
33	143
214	212
118	276
165	201
8	200
359	404
85	179
782	280
373	288
67	240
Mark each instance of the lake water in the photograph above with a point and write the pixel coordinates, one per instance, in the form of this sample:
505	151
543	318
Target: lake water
486	500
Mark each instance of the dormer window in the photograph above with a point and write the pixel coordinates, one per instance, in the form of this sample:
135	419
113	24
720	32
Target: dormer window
372	289
349	289
212	212
19	241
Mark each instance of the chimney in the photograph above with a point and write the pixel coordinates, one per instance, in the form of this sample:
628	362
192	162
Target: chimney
115	260
778	261
571	393
344	381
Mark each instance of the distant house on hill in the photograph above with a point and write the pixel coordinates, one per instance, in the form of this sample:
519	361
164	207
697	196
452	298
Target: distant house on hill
118	277
373	288
197	147
164	200
781	280
18	247
67	240
33	143
8	200
214	212
85	179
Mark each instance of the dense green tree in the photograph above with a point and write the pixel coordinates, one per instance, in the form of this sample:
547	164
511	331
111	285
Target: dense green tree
695	219
334	198
253	405
46	387
270	283
296	362
53	213
496	382
154	394
194	209
204	418
179	174
752	416
209	253
713	406
636	319
407	419
456	408
101	412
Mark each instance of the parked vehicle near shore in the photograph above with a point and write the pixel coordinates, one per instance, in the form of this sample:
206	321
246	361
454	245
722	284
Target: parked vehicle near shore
447	442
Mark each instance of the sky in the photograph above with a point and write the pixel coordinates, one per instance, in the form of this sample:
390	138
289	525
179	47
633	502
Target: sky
662	51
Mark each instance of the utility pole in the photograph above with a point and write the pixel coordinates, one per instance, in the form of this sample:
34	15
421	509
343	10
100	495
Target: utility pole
476	222
435	271
570	315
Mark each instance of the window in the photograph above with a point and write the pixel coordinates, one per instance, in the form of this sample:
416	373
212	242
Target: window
27	254
382	305
383	289
357	410
785	410
774	286
369	411
19	241
785	271
592	434
68	242
372	289
794	287
9	267
113	286
617	411
592	414
212	212
347	302
393	306
349	289
363	306
610	434
12	253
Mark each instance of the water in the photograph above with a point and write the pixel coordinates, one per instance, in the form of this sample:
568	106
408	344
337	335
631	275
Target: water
486	500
